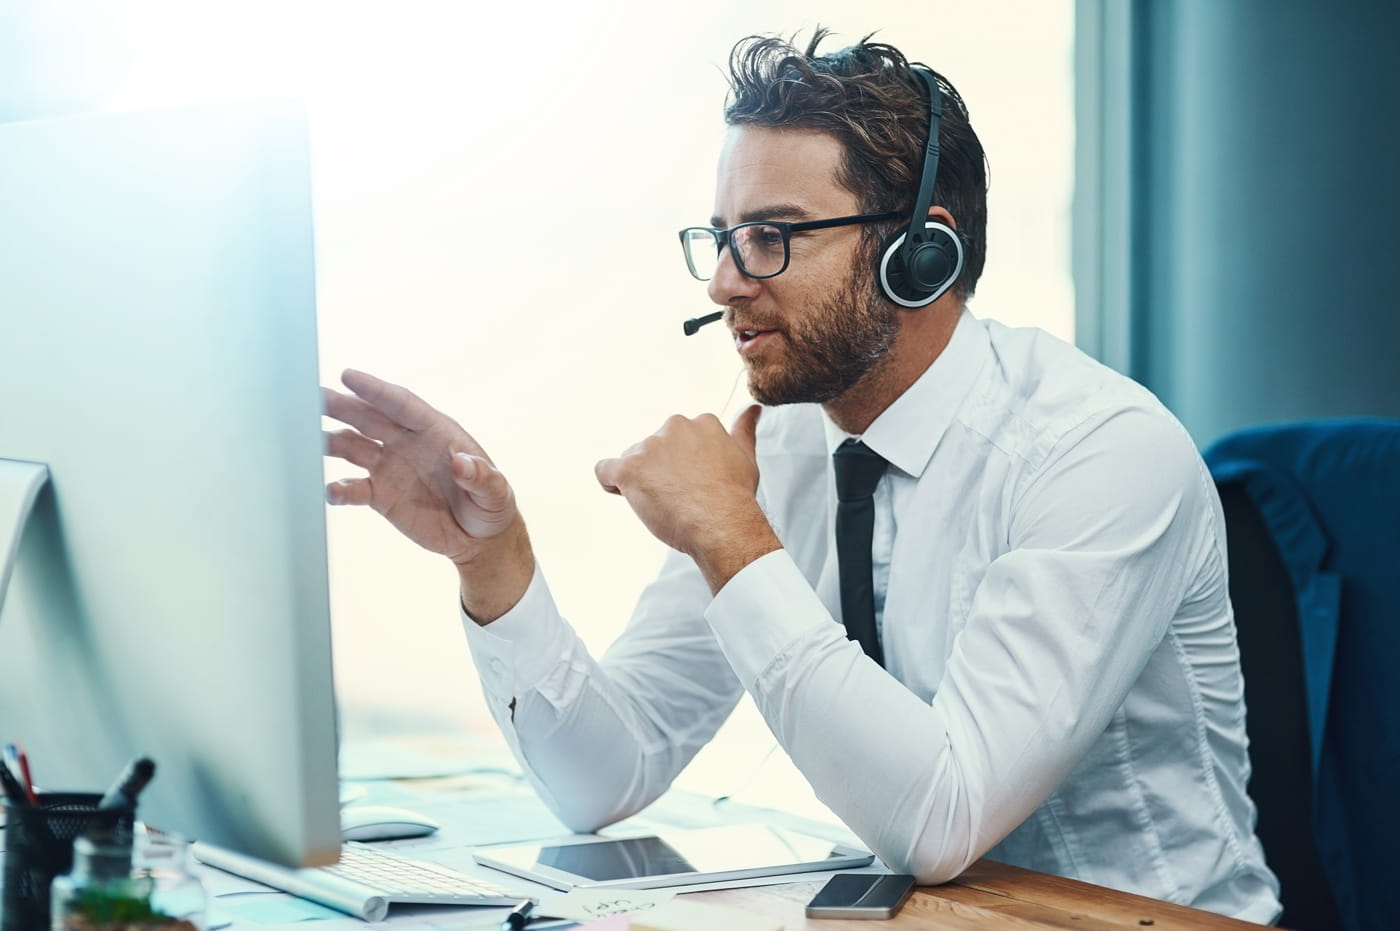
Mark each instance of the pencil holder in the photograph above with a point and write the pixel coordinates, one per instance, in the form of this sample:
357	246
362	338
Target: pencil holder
39	846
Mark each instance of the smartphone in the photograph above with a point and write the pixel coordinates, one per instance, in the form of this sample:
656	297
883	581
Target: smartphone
861	895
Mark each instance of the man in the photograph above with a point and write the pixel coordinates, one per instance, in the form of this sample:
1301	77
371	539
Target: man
1046	670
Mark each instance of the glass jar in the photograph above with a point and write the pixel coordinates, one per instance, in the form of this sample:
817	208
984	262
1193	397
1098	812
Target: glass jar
144	885
165	862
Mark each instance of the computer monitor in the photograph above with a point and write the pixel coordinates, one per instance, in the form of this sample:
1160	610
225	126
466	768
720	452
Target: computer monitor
168	587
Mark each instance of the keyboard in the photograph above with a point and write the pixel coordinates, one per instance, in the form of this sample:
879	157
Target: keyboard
366	881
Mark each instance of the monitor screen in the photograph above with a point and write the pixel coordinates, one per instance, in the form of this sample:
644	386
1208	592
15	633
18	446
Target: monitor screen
167	593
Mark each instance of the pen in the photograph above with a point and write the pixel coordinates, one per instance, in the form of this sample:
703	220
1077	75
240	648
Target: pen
13	790
129	784
19	764
518	916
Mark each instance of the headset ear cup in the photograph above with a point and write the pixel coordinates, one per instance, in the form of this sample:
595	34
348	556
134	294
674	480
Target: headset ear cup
928	264
889	269
918	276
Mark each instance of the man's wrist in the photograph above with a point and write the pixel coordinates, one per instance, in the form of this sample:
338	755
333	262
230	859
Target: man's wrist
495	578
742	541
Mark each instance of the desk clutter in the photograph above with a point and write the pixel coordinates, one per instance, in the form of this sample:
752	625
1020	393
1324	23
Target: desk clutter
40	832
680	916
648	910
255	893
83	862
485	807
489	805
77	861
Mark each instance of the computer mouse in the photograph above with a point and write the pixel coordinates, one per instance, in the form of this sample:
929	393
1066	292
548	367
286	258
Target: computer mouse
383	822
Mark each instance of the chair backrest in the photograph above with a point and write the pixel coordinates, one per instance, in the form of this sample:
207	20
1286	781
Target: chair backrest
1271	658
1313	523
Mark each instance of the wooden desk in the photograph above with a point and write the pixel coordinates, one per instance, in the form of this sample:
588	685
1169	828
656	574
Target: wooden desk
990	895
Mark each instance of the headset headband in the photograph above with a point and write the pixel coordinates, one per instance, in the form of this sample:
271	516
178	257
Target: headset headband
925	198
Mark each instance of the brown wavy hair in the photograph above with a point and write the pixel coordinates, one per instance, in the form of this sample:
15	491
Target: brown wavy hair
869	99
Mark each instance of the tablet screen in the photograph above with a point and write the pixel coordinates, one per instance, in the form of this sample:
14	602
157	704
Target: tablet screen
680	856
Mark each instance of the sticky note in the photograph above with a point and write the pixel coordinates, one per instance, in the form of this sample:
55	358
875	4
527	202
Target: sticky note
685	915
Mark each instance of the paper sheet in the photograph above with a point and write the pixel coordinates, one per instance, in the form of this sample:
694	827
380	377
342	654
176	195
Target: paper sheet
591	904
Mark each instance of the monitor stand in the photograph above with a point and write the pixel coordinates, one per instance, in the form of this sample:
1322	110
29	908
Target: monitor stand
20	484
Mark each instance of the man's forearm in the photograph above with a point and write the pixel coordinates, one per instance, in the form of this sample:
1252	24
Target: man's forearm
600	742
495	579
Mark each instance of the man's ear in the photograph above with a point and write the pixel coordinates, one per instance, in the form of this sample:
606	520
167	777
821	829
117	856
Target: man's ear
942	216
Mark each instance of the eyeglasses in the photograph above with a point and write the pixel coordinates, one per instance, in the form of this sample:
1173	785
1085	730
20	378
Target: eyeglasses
760	248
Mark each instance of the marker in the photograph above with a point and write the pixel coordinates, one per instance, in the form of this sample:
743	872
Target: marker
518	916
19	764
129	784
14	791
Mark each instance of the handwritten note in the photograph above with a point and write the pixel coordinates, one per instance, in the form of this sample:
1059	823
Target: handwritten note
689	915
611	923
590	904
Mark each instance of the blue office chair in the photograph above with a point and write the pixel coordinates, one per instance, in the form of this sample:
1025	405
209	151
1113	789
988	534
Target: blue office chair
1312	514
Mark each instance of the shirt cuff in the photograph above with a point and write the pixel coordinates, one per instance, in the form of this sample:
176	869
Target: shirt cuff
762	611
511	653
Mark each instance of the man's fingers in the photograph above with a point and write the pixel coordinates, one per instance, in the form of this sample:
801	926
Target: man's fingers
354	448
398	403
486	484
349	409
605	470
349	491
745	429
609	471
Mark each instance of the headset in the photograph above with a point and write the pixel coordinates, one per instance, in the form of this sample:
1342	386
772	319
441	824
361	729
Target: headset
918	265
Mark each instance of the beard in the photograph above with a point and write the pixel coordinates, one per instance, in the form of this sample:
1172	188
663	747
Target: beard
832	347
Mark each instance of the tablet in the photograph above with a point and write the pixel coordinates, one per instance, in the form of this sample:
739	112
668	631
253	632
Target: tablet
672	857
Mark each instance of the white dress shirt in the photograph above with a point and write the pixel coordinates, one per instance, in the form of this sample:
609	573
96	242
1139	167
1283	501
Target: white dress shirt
1063	689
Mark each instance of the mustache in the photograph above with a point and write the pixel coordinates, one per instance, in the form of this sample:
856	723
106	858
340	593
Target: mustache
744	319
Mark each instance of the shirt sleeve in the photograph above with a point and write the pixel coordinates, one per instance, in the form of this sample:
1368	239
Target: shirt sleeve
601	739
1102	539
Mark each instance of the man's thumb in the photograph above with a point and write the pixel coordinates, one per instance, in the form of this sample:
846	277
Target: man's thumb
745	428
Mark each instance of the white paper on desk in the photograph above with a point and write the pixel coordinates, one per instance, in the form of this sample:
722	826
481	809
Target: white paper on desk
588	904
421	758
496	816
218	883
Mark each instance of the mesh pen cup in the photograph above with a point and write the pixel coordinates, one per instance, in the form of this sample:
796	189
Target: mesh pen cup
39	846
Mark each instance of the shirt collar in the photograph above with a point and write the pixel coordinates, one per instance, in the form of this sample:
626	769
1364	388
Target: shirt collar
908	431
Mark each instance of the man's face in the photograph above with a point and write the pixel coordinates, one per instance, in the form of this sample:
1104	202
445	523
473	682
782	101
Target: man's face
815	330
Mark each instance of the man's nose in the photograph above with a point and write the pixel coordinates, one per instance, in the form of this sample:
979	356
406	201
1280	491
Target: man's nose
729	285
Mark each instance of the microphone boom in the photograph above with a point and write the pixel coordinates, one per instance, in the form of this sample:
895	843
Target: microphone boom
693	325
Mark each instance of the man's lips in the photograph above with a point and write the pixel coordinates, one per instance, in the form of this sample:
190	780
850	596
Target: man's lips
744	333
746	339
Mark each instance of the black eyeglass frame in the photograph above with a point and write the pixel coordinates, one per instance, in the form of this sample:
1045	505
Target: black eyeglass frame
723	238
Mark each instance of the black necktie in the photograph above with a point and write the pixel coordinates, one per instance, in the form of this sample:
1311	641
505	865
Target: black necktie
858	471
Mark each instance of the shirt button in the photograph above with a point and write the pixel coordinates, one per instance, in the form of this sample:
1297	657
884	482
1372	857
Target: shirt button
498	668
